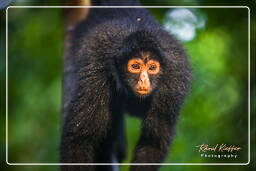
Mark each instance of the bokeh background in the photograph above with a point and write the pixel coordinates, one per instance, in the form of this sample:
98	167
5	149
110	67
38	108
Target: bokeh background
215	112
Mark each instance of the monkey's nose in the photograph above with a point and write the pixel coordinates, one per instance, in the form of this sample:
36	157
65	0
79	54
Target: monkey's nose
143	86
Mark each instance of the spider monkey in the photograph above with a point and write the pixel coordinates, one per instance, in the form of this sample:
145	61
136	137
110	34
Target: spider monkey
125	63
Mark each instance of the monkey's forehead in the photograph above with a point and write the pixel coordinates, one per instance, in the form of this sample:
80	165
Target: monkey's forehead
145	54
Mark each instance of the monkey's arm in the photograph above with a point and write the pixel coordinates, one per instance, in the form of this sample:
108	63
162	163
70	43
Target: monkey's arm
157	131
87	121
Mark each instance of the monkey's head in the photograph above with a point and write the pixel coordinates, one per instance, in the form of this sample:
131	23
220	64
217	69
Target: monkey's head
143	72
141	62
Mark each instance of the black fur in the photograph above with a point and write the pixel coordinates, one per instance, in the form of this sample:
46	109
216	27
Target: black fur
93	128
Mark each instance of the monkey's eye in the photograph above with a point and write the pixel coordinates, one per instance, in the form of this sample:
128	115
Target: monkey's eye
152	67
135	66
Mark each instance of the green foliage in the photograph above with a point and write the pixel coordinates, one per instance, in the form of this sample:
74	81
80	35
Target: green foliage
34	83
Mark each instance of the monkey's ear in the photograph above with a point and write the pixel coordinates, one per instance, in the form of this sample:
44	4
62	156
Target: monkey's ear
73	16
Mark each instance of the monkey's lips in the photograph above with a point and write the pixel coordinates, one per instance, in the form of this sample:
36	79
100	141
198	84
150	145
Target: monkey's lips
143	92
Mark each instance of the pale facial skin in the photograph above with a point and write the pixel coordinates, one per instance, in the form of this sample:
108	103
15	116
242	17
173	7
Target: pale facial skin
143	68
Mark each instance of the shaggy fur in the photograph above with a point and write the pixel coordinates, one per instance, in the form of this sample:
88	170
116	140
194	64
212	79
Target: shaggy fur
93	130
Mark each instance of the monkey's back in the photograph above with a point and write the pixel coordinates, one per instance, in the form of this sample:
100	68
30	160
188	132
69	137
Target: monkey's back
102	39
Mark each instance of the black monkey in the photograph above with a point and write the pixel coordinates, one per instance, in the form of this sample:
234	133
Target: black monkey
126	63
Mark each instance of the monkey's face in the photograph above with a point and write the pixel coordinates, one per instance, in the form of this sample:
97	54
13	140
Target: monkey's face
143	73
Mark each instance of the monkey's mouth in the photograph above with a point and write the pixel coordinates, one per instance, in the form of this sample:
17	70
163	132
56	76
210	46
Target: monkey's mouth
143	92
